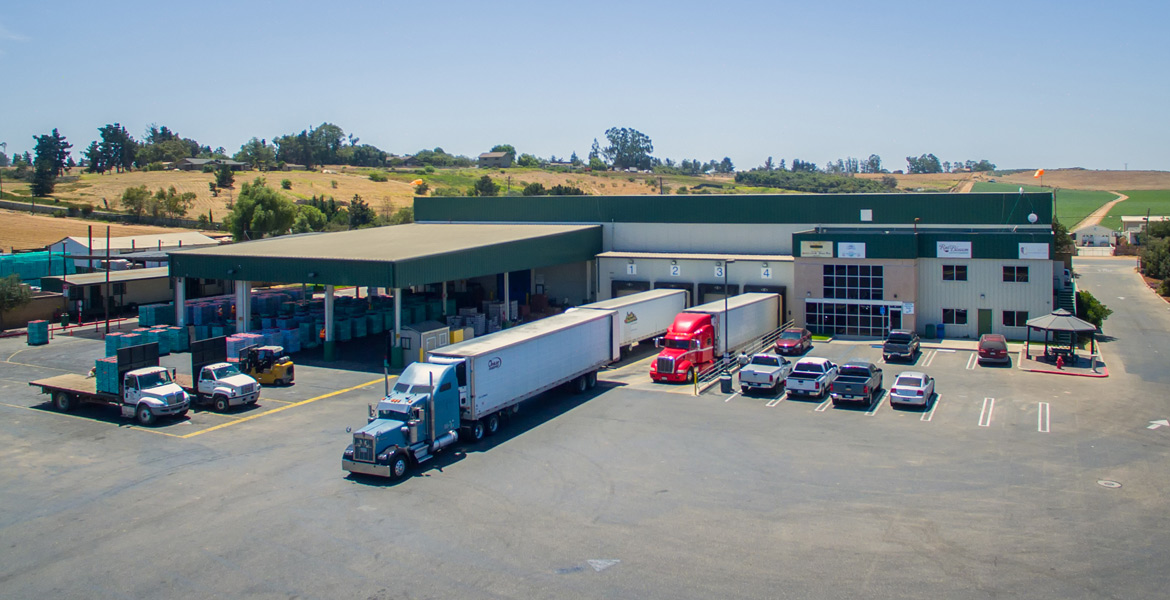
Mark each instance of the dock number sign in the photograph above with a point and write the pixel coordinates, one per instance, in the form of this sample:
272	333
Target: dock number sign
675	271
719	271
631	269
765	272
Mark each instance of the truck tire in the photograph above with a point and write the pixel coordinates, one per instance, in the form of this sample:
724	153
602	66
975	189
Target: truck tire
221	404
183	414
474	432
399	465
62	401
144	415
591	380
690	375
580	385
492	424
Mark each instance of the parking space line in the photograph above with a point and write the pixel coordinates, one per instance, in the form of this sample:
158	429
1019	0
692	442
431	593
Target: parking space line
824	405
61	414
276	410
775	401
929	358
928	415
731	396
985	414
972	362
1042	418
873	409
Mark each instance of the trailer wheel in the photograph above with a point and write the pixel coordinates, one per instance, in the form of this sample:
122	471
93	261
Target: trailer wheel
591	380
145	416
62	401
399	465
579	385
493	424
221	404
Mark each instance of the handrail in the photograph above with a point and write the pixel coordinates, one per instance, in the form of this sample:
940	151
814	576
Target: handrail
731	364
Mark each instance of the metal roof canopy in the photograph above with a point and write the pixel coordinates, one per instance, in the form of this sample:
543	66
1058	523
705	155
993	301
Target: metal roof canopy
99	278
396	257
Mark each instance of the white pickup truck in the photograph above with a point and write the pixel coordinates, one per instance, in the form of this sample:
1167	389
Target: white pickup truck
765	372
811	377
221	385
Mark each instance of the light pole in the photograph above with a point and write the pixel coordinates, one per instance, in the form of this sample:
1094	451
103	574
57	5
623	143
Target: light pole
726	316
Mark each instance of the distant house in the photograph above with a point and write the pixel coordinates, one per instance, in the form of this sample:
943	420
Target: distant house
1138	222
290	167
495	160
198	164
1094	235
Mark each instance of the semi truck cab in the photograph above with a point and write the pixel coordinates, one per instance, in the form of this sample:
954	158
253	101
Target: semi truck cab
416	419
226	386
689	345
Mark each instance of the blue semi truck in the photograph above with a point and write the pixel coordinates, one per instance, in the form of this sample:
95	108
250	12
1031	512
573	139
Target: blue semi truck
466	388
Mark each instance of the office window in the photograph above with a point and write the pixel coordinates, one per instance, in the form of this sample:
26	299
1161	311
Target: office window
1015	318
955	316
853	282
954	272
1015	274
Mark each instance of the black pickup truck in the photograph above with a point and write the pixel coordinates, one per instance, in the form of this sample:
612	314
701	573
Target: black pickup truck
900	343
856	382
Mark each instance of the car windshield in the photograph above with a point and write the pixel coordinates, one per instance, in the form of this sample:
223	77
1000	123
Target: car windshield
225	371
155	379
406	388
790	335
899	338
767	361
911	382
677	344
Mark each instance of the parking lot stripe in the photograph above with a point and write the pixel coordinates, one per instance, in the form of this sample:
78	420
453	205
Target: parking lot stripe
929	358
824	405
985	414
873	409
1042	418
60	414
774	402
928	415
276	410
731	396
972	362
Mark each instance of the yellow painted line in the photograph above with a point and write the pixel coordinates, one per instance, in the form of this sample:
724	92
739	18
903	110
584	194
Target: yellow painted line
89	420
276	410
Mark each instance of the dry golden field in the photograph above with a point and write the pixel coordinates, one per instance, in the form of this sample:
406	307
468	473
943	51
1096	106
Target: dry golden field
24	231
1078	179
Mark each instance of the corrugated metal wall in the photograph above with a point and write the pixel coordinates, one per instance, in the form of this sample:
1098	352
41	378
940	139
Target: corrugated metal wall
984	289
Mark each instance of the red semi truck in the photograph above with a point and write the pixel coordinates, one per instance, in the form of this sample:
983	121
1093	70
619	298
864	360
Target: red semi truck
696	338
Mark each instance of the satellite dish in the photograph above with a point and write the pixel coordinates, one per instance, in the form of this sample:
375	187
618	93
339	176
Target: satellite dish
1032	218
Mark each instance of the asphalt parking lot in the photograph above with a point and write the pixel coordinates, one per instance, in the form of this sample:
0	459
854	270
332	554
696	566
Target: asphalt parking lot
1001	489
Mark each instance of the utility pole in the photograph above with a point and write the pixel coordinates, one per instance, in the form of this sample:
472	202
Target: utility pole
106	295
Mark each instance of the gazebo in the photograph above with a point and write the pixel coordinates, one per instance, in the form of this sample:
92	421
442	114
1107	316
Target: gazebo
1060	320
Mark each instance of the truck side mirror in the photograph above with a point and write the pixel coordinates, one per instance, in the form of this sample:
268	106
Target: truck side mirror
370	410
658	342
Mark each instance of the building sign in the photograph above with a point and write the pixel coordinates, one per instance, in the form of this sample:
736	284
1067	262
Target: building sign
765	272
850	249
816	249
631	269
954	250
675	271
719	271
907	308
1034	251
867	214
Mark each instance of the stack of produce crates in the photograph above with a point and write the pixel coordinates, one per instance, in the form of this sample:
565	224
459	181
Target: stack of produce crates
38	333
106	374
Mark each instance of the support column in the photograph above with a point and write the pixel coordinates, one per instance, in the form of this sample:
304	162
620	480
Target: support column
588	281
329	328
445	299
507	297
397	315
181	302
243	306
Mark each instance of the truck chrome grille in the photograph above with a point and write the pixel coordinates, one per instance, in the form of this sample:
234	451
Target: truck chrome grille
665	365
363	449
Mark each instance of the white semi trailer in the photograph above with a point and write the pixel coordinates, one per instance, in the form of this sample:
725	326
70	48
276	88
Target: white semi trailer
643	315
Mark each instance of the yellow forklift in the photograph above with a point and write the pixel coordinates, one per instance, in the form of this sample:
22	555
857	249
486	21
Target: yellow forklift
267	364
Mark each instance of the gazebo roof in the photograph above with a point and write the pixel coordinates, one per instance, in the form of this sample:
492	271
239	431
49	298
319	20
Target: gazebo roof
1061	320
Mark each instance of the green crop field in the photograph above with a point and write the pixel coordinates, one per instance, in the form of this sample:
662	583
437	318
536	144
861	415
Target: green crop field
1071	205
1157	202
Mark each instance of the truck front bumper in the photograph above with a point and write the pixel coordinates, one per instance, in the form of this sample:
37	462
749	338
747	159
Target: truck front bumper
170	409
245	399
365	468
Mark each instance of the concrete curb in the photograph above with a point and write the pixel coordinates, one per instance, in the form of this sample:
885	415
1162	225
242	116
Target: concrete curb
1105	372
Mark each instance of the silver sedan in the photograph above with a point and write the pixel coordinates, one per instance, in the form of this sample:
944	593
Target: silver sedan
912	388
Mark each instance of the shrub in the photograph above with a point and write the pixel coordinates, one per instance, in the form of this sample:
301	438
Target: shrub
60	214
378	176
421	189
429	169
1164	288
333	183
1091	309
286	184
87	210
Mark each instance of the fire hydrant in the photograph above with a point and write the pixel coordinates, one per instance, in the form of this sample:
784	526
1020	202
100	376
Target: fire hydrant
1059	362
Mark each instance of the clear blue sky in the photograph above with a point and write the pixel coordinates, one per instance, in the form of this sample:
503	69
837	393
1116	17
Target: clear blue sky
1024	84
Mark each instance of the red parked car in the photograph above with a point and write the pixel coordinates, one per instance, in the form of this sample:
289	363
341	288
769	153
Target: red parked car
794	340
993	348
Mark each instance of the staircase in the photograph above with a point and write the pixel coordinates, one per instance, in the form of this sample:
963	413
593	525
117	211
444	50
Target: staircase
1066	299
